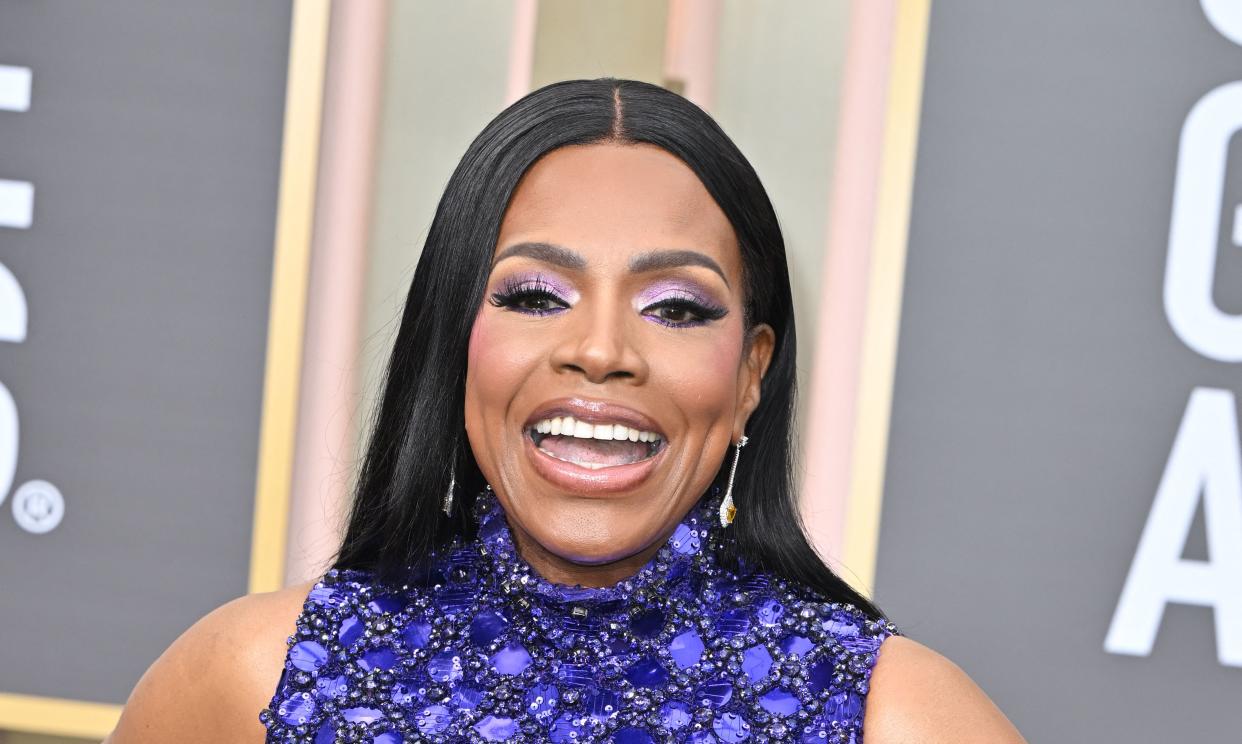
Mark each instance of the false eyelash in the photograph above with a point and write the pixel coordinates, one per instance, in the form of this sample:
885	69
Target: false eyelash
705	313
514	291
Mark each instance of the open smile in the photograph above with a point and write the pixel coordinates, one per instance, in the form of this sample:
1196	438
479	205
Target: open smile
587	446
593	446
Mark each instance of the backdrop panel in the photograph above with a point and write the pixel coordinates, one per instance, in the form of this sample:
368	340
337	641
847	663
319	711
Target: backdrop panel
151	152
1068	350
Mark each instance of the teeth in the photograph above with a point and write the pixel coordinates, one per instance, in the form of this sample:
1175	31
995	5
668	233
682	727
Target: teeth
570	427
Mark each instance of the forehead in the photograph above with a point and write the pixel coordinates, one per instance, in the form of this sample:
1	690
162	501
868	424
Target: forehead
607	201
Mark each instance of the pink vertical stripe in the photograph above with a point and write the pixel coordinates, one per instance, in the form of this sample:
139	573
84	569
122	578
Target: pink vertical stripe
834	378
521	49
691	42
324	456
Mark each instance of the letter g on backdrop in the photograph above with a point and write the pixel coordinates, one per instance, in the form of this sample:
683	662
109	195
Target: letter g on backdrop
1194	233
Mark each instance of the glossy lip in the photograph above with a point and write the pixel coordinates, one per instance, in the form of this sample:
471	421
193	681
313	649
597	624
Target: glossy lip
576	478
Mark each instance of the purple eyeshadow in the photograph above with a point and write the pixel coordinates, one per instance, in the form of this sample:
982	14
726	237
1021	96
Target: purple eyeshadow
682	289
528	280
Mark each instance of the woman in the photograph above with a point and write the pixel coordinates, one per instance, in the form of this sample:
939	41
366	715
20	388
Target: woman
575	520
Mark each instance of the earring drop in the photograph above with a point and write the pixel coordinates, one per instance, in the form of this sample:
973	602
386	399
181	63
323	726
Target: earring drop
727	510
447	506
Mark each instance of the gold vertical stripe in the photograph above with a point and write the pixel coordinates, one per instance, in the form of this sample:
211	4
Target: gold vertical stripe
295	207
883	310
299	161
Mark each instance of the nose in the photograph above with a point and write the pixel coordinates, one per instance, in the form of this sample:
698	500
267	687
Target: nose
601	344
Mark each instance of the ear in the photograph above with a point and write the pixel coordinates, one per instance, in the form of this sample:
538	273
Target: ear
756	355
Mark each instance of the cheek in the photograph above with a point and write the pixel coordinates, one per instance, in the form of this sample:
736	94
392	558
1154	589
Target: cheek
498	359
703	376
484	372
479	341
485	382
726	358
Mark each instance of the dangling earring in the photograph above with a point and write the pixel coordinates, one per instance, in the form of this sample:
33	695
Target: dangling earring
727	509
448	495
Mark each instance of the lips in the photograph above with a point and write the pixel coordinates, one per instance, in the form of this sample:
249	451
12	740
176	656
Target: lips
590	458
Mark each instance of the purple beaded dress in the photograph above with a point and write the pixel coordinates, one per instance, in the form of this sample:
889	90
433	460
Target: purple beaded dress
480	649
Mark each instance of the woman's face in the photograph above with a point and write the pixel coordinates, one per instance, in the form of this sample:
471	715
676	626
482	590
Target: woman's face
609	368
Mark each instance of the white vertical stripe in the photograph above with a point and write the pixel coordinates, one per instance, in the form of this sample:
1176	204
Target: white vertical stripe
14	88
16	204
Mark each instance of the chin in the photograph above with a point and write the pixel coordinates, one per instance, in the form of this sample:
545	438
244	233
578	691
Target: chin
584	531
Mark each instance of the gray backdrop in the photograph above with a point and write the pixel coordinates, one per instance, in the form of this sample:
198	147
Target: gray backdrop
153	142
1039	386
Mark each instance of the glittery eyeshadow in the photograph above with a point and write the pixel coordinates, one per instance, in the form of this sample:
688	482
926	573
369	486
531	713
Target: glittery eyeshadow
544	280
675	289
478	647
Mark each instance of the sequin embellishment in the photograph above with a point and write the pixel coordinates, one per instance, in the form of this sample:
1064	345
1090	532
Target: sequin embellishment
483	649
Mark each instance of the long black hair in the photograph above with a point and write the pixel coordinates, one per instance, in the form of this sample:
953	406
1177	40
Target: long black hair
417	432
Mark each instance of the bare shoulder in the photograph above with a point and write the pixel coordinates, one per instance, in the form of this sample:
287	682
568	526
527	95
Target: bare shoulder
211	683
917	695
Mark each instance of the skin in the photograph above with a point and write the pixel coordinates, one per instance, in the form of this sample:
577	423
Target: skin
607	203
610	205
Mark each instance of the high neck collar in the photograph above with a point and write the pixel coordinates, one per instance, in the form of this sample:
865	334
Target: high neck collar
686	549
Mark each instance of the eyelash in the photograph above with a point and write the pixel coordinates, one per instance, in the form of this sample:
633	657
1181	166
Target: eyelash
513	293
705	313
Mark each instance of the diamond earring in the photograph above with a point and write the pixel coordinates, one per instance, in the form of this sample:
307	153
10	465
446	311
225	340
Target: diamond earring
727	510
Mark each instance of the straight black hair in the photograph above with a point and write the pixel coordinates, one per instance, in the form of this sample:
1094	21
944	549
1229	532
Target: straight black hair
417	430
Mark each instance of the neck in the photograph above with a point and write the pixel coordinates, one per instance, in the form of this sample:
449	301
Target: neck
560	570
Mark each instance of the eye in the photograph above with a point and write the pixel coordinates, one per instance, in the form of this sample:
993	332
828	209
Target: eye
533	297
535	302
681	312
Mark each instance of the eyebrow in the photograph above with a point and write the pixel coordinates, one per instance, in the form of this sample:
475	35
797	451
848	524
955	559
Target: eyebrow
656	260
546	252
649	261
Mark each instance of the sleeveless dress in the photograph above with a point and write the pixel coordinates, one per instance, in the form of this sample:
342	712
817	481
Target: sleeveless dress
480	648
